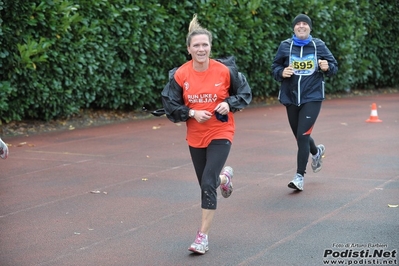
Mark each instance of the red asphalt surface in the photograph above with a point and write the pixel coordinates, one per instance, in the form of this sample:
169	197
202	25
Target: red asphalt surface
147	209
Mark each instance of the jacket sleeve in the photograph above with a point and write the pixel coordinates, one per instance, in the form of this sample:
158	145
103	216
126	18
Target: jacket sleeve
172	100
278	64
240	93
325	54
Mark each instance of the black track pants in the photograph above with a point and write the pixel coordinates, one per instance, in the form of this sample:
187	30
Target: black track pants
302	119
208	163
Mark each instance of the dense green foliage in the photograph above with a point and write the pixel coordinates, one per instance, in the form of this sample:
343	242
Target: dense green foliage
60	56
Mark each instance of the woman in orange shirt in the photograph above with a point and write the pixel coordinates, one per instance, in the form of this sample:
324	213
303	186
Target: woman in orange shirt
204	93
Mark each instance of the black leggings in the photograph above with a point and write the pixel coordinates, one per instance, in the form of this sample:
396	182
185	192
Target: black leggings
208	163
302	119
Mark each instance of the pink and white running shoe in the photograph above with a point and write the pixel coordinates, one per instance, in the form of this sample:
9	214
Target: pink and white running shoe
227	189
200	244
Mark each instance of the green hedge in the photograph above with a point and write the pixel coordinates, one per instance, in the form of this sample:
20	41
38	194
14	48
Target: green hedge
58	57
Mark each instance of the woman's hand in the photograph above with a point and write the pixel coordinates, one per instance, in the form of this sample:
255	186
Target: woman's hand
222	108
202	116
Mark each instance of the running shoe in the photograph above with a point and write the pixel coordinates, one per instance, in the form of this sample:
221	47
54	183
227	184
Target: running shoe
200	244
3	150
227	188
297	182
317	160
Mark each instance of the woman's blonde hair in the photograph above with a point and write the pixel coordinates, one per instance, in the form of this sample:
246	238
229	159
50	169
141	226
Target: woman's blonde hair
195	29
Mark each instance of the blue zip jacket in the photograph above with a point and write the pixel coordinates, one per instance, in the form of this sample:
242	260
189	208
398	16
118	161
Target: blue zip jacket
307	83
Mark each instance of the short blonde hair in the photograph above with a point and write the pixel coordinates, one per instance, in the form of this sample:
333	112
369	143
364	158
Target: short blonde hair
195	29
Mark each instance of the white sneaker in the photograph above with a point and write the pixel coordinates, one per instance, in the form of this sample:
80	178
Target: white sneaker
3	150
318	160
200	244
297	182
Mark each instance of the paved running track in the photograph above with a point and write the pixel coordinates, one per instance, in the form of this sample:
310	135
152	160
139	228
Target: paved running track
126	194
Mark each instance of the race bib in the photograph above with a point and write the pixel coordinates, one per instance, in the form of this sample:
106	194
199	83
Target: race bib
303	65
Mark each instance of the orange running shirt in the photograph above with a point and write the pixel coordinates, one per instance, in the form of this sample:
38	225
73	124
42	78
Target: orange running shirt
204	91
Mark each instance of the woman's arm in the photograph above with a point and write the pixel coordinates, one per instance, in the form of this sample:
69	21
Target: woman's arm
240	93
173	102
